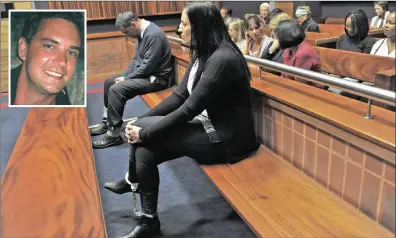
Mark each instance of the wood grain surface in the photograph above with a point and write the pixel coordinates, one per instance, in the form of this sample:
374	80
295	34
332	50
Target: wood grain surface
277	200
354	65
49	188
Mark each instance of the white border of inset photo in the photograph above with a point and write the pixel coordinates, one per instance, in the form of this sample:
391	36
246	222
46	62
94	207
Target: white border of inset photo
84	11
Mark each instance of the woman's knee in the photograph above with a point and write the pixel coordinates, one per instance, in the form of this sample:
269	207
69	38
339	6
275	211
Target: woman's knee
144	159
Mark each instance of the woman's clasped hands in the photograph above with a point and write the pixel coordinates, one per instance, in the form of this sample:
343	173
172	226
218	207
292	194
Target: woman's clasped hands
132	133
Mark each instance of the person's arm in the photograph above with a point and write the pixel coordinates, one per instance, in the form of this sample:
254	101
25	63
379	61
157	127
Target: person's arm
338	44
308	62
373	21
212	83
248	40
173	101
314	28
152	57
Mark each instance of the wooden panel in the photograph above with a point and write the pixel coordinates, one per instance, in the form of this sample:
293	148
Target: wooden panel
22	5
106	57
316	35
332	29
334	20
50	183
97	10
351	64
287	7
4	56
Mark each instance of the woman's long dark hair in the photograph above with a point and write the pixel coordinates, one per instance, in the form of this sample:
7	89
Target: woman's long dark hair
360	25
208	31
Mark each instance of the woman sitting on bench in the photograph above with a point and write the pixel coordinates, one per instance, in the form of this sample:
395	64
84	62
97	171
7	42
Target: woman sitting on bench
208	117
356	36
298	52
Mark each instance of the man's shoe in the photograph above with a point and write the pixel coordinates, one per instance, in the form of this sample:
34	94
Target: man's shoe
147	227
119	187
99	130
107	141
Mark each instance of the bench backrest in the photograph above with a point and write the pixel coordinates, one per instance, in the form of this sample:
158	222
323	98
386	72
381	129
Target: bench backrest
354	65
332	29
335	20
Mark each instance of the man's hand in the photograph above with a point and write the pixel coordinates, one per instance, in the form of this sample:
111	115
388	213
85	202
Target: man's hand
132	133
119	79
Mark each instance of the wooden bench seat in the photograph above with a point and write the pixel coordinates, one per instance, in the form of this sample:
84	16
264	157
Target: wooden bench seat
277	200
49	188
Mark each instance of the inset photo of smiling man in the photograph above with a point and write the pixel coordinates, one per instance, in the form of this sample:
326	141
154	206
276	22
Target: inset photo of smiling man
47	65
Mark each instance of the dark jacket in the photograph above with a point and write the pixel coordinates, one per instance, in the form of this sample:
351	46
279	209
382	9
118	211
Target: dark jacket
344	42
276	56
61	99
310	25
225	92
153	56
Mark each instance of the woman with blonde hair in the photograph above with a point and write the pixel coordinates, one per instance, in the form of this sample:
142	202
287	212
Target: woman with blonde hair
274	52
303	15
236	30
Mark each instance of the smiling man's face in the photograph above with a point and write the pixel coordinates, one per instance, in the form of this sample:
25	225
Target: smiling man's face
51	57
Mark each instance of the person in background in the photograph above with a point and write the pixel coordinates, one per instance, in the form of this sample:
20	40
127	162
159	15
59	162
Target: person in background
298	52
274	52
303	14
194	120
356	36
382	11
256	41
236	29
386	47
264	15
226	13
275	12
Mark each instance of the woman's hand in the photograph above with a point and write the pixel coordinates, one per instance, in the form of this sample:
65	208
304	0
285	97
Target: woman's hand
132	133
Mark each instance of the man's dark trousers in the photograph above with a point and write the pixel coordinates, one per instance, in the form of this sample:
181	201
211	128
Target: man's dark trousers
117	94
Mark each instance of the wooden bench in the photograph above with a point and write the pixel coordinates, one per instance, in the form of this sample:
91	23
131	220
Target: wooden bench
334	20
49	188
365	67
277	200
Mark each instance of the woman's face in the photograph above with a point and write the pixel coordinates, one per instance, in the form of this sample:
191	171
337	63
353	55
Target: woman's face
348	27
379	10
254	31
390	25
185	28
233	33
